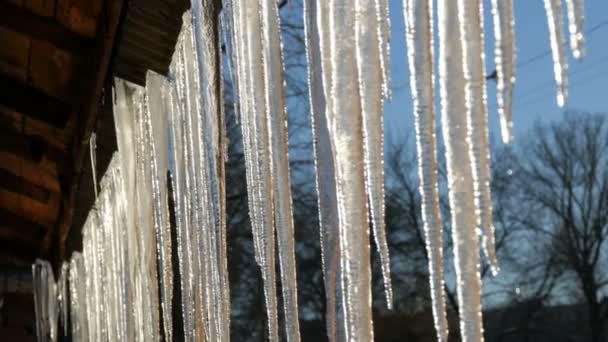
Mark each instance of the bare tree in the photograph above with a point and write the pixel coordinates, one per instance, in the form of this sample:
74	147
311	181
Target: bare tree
564	184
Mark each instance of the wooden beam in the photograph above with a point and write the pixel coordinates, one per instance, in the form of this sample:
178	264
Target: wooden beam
29	171
33	102
46	29
106	32
20	205
19	185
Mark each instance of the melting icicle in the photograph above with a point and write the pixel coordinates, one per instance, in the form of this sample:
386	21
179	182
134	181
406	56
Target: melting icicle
553	8
383	26
345	131
471	32
576	22
279	161
419	34
370	59
78	306
92	151
45	301
256	140
465	240
324	166
504	34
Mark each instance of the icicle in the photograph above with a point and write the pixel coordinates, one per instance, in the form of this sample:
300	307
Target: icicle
324	167
63	301
576	23
504	34
45	301
419	34
465	240
279	162
370	60
257	148
78	308
346	126
92	150
556	36
471	32
384	44
159	147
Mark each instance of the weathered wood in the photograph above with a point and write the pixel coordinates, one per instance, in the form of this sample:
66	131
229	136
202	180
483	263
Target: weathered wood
30	171
19	185
33	102
25	207
57	138
17	228
107	25
43	29
80	16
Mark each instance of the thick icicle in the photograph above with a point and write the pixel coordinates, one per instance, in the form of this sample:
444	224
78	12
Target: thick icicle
45	301
576	23
78	308
504	35
324	166
419	34
553	8
345	131
465	240
471	33
279	161
160	165
256	143
370	57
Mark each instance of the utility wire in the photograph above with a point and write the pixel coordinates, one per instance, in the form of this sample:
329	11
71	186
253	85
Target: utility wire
539	87
545	96
547	52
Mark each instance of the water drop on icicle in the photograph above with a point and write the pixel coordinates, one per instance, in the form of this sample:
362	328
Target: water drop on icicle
553	8
504	35
418	19
370	56
576	22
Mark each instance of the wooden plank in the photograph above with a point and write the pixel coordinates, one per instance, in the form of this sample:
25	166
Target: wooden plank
20	228
20	205
55	137
33	102
45	8
29	171
56	72
43	29
107	25
19	185
79	16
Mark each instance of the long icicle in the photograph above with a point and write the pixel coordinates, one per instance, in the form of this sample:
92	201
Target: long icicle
257	149
324	166
465	241
504	35
576	23
279	161
419	34
345	122
471	32
370	64
553	8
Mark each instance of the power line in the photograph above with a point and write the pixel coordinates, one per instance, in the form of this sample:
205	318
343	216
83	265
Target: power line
548	51
552	94
544	85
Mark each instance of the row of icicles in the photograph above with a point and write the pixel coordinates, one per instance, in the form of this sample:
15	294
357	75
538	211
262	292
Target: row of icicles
175	125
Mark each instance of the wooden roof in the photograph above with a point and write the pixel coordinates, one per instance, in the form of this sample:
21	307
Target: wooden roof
55	58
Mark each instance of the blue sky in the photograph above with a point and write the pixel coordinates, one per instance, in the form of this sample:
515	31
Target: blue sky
535	89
